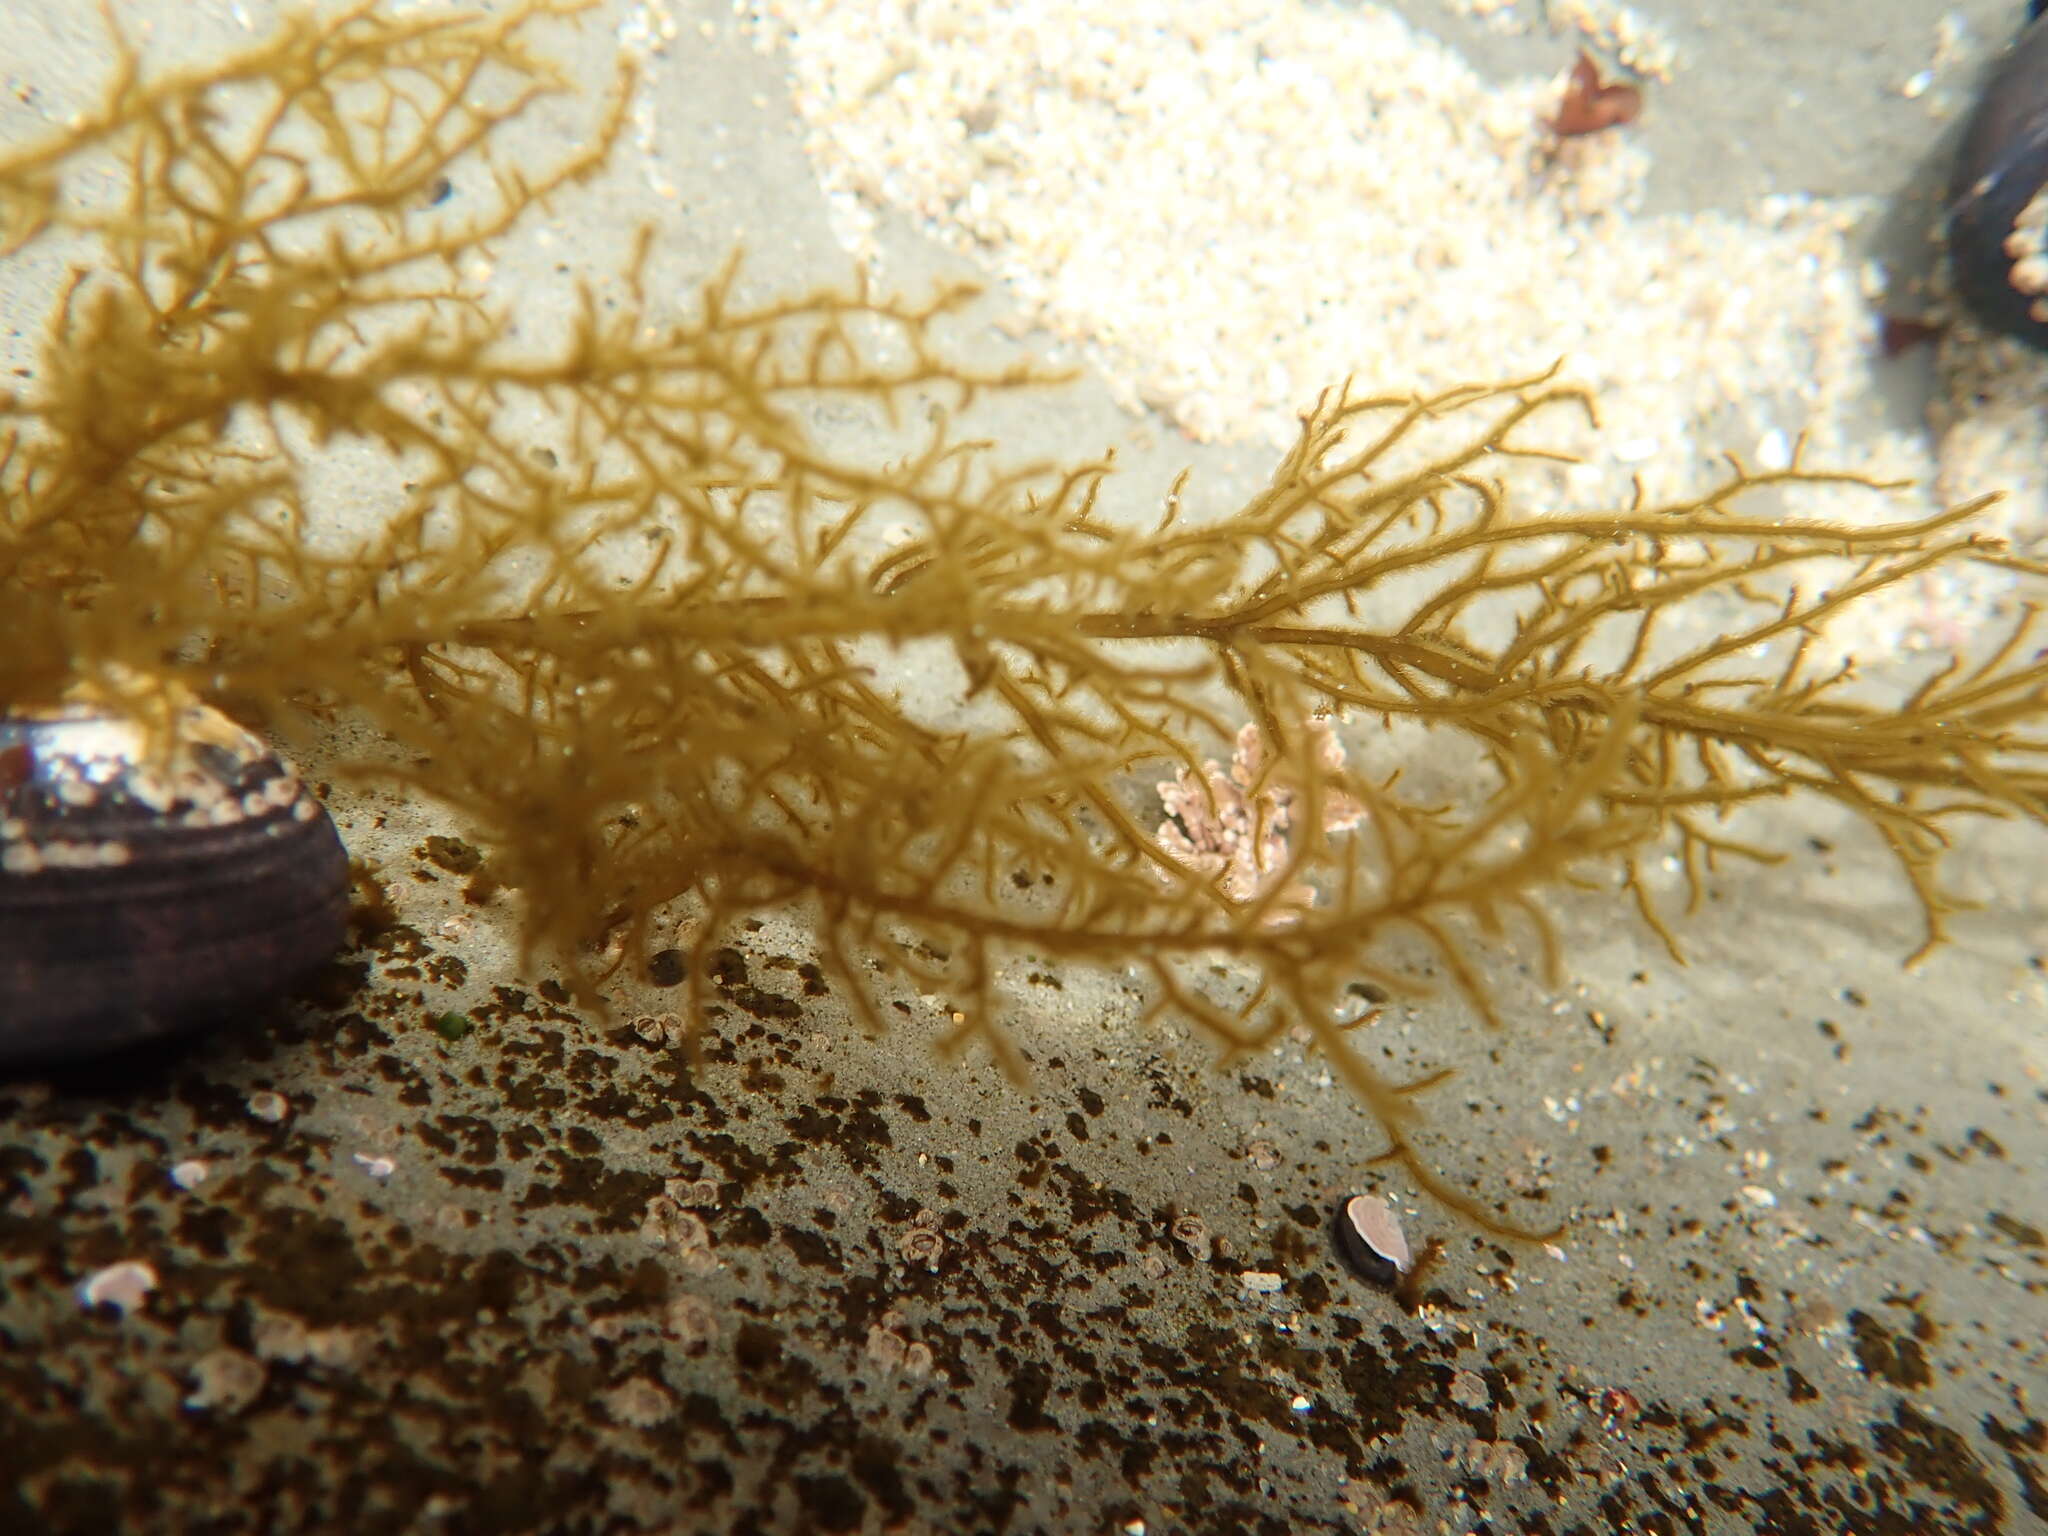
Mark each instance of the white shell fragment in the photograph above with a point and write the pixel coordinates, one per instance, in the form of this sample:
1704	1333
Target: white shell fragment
122	1286
1370	1235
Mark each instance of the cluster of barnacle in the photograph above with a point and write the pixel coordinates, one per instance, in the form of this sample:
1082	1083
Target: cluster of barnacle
642	665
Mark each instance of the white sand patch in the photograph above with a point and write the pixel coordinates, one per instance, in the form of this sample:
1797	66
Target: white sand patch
1228	205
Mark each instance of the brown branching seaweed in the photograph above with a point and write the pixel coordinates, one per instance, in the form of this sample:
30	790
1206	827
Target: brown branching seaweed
622	609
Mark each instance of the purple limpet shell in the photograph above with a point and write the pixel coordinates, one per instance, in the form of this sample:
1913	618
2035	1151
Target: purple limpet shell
1998	195
145	893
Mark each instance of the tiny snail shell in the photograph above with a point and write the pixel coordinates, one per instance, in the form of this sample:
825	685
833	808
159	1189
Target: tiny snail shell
147	892
1369	1235
1998	197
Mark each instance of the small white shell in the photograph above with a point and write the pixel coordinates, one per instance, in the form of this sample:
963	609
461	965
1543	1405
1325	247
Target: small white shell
123	1286
1371	1237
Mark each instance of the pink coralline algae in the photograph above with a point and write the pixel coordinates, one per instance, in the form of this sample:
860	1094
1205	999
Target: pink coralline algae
1233	826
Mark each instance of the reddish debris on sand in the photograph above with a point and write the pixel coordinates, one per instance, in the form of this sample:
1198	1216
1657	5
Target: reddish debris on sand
1589	104
1901	333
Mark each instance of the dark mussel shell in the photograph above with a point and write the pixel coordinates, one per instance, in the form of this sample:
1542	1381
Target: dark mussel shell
1998	199
144	892
1369	1236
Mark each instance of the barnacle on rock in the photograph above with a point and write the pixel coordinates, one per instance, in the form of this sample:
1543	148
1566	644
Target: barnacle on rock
647	665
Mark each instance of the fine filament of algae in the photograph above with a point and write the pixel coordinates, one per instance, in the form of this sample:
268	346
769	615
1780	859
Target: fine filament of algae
641	661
